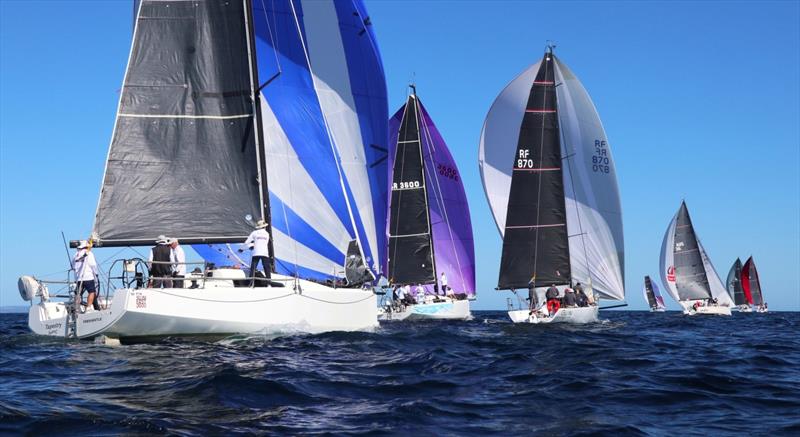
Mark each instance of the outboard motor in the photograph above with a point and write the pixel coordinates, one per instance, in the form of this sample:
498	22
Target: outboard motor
29	288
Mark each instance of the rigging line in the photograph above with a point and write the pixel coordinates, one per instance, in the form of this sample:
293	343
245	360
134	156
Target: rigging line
574	194
400	194
425	187
272	37
255	101
442	206
541	162
287	153
336	157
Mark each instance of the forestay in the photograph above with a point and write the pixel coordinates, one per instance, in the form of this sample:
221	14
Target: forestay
183	155
447	203
594	219
324	109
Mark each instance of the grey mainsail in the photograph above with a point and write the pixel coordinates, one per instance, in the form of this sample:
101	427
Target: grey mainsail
184	159
691	278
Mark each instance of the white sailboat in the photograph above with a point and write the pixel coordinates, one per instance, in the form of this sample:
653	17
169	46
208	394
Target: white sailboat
194	145
551	184
687	271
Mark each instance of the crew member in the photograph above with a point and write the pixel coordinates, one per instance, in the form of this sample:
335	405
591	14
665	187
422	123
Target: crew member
86	272
178	258
569	298
259	243
532	304
580	296
446	290
160	264
553	304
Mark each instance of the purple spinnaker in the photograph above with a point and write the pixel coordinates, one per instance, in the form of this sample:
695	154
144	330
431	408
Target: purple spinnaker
453	246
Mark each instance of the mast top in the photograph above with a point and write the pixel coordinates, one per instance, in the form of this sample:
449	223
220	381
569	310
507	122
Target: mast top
550	46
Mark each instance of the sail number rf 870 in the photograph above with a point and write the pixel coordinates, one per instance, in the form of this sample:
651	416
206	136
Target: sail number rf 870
524	160
600	161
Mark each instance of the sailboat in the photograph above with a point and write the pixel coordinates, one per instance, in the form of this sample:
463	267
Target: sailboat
751	285
687	271
551	184
653	296
231	112
429	228
741	298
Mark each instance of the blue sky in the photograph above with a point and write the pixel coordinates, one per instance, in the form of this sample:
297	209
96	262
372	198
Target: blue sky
700	100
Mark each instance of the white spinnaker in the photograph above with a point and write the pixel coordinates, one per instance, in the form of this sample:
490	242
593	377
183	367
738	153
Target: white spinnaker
715	283
498	142
594	211
332	82
289	180
666	265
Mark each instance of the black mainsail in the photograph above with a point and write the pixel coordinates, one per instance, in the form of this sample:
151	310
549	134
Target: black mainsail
411	259
648	289
535	244
184	157
691	278
734	284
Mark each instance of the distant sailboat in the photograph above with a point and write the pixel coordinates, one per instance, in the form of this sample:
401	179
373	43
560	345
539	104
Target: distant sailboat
752	285
687	271
429	227
741	298
551	184
653	296
232	111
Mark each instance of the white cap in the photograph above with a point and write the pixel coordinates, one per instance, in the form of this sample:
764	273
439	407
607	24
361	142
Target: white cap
162	239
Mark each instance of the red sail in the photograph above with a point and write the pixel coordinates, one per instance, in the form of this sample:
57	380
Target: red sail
746	282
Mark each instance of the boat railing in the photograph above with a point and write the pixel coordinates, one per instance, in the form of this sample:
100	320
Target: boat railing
136	274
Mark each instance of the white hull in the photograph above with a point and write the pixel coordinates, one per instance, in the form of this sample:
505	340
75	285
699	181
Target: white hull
713	310
216	310
657	310
744	309
579	315
449	310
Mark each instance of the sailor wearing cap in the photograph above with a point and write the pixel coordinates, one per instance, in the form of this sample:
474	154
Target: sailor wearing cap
258	241
86	272
160	264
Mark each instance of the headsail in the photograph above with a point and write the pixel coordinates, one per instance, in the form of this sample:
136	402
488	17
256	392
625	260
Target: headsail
451	226
324	107
588	176
751	283
184	152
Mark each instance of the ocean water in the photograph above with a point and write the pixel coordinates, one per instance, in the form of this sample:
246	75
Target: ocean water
635	373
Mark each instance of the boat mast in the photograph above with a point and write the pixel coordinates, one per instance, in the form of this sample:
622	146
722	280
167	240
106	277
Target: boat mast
263	188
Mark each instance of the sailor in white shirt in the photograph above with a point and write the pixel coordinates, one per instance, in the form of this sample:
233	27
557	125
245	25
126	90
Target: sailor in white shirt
401	294
420	293
259	242
86	272
445	289
178	259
